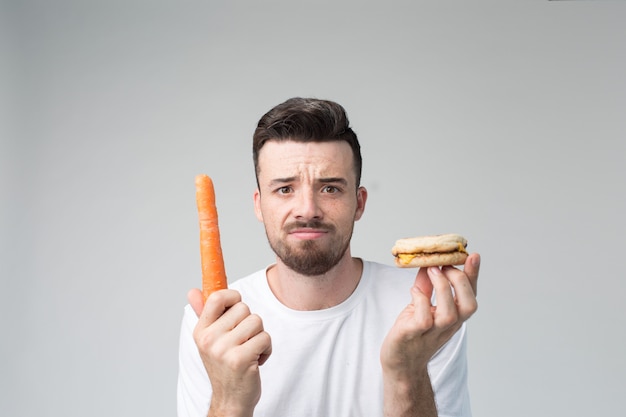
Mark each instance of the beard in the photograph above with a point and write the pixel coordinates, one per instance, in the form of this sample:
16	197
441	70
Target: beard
308	257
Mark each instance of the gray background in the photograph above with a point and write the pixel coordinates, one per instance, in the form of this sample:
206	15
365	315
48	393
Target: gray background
501	121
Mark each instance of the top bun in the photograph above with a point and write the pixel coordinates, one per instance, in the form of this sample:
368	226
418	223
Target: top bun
450	242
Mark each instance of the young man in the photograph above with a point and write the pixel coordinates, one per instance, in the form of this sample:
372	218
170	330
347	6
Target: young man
320	333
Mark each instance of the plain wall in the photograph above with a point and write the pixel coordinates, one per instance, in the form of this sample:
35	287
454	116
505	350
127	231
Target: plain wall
502	121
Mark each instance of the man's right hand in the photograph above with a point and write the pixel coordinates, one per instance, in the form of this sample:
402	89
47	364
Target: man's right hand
232	344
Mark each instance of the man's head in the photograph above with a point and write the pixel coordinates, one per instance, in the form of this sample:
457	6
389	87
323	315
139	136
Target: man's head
308	166
306	120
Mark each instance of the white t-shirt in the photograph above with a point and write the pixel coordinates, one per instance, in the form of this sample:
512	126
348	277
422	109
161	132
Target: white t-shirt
326	363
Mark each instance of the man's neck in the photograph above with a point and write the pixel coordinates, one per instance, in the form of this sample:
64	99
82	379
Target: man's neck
301	292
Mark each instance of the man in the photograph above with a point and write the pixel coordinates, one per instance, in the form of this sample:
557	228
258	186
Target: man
320	333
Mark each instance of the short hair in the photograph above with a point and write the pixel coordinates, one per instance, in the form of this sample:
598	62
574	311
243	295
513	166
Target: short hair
306	120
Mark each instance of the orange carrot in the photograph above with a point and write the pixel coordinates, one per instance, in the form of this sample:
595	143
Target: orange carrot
213	271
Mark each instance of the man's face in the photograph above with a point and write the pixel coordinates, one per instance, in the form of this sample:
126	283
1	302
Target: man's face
308	201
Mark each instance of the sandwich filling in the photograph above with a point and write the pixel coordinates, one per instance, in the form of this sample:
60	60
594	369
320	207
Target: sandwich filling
406	258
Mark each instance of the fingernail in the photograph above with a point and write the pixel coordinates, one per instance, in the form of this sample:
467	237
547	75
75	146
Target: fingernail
434	270
476	261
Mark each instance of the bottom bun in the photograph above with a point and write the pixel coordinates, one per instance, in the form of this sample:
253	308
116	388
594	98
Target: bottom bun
433	259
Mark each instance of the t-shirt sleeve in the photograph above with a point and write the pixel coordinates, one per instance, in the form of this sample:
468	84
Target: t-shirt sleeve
194	388
448	375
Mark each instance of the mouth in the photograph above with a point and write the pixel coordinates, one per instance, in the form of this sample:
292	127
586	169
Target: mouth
308	231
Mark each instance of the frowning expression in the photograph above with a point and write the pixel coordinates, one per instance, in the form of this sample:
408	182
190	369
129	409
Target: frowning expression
308	201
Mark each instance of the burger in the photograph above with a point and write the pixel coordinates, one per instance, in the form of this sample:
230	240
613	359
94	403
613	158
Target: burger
436	250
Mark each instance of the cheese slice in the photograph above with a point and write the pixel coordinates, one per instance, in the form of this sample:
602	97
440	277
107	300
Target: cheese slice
406	258
462	248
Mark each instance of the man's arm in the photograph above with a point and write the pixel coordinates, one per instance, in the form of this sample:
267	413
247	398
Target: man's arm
409	395
420	331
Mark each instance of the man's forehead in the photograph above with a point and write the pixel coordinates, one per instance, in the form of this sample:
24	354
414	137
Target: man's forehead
291	158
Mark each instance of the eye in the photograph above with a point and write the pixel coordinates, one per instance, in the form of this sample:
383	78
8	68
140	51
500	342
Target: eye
330	189
284	190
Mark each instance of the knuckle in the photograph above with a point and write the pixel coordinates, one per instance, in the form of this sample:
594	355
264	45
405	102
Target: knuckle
255	321
216	351
469	308
266	338
235	361
422	324
199	335
205	342
448	319
241	309
214	297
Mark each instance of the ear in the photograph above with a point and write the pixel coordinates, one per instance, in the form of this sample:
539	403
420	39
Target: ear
257	205
361	199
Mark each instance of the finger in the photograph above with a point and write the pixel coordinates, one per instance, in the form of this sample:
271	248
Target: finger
238	324
250	332
471	268
216	304
250	326
261	345
422	314
446	313
215	325
422	281
196	300
230	321
463	292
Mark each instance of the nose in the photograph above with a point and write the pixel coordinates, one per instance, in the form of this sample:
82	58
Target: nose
307	206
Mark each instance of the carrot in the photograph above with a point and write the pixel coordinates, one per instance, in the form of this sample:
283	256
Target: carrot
213	271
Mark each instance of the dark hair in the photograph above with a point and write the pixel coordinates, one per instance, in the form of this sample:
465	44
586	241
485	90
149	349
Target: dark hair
306	120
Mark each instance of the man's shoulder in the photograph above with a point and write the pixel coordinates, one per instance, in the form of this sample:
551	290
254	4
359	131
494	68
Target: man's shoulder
378	271
385	281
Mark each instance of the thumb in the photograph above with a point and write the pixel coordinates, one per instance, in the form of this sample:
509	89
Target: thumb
196	300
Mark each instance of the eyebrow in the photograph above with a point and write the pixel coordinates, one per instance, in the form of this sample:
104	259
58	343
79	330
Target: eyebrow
331	180
339	180
277	181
